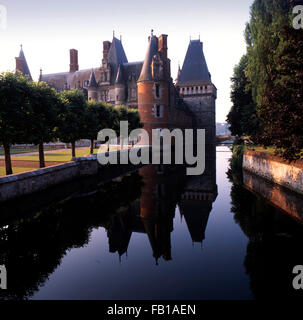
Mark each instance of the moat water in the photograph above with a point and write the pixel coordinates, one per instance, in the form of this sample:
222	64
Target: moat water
158	234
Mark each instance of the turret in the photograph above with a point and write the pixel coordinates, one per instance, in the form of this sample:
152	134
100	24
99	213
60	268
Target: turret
154	86
92	88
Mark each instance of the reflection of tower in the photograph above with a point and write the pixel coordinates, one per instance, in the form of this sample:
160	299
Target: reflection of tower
199	194
119	235
162	187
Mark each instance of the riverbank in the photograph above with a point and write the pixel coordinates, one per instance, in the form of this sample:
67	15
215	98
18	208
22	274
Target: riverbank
22	184
275	169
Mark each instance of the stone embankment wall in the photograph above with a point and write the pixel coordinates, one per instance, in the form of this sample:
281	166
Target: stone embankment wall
275	169
27	183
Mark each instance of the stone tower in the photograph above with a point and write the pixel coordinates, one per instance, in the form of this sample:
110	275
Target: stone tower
199	93
154	86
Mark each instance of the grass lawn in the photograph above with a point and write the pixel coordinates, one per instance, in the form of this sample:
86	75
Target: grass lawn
64	156
17	151
269	150
15	170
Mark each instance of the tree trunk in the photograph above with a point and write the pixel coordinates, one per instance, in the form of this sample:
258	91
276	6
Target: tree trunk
92	141
41	155
73	149
8	161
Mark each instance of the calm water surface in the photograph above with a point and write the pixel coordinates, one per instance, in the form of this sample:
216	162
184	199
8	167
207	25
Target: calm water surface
155	234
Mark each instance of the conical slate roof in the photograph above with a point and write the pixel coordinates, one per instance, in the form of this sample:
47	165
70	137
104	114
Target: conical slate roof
146	73
92	80
26	71
194	66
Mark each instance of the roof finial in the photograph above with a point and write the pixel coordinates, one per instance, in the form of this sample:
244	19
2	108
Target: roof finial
121	37
21	46
113	33
40	71
190	38
152	32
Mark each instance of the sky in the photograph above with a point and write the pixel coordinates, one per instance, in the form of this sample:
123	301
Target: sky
47	30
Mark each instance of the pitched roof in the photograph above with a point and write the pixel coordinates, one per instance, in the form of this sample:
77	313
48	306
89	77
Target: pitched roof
119	77
194	66
26	71
132	69
116	53
152	49
92	80
116	56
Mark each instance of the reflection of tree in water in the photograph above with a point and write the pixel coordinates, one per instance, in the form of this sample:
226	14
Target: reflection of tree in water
275	243
32	249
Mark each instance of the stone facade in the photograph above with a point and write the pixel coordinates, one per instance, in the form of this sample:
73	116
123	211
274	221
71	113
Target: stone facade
115	78
147	85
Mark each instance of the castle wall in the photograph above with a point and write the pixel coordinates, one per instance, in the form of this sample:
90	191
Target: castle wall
204	108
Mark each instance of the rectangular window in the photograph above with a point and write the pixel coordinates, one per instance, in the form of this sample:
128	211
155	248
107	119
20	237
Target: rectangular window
158	111
157	90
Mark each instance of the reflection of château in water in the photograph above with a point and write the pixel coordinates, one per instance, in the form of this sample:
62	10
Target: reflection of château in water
121	207
164	188
199	194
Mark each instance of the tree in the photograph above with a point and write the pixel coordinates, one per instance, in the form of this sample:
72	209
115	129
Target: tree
98	117
14	113
281	112
72	118
242	117
262	37
129	115
44	104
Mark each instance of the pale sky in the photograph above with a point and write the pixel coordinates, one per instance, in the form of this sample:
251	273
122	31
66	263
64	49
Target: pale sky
48	30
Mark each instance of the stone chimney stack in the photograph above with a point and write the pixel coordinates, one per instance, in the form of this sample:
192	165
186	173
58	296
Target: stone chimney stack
163	45
74	66
106	47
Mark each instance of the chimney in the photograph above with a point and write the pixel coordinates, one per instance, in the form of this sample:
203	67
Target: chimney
163	45
106	47
74	66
